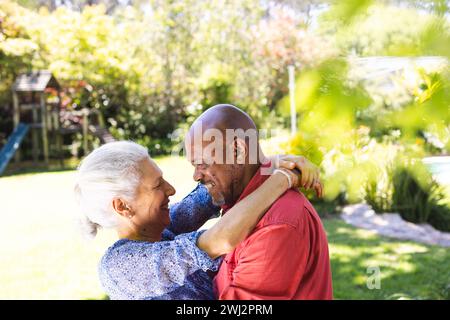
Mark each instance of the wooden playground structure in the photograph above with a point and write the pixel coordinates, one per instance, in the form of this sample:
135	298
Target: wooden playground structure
37	108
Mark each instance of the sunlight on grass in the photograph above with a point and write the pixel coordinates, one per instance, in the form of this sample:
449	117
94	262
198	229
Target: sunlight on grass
408	270
410	248
44	257
358	233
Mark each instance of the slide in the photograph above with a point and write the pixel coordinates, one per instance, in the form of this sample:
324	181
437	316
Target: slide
14	141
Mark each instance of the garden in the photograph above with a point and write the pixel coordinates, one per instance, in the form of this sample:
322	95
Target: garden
361	88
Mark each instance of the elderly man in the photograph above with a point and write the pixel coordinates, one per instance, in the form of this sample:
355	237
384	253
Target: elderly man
286	256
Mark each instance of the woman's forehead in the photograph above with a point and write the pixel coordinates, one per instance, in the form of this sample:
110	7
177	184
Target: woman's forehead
151	170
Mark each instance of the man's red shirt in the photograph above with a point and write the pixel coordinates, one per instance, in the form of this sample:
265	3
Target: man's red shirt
286	256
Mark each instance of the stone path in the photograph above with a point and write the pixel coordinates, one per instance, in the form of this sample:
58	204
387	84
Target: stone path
392	225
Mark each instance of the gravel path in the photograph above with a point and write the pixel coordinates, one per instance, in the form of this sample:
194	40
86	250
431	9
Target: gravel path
392	225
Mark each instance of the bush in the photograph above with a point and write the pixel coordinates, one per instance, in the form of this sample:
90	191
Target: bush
326	207
440	217
412	199
420	199
380	199
440	212
408	188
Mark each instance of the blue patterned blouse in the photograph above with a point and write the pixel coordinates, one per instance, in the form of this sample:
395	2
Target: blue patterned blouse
172	269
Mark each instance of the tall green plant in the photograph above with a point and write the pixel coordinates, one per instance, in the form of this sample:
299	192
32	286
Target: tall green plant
411	198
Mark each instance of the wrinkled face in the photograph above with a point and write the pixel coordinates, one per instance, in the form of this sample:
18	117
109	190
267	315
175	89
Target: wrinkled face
218	177
151	204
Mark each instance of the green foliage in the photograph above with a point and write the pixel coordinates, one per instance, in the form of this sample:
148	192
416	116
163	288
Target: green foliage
419	198
306	146
16	53
143	69
366	28
380	199
150	72
440	217
412	197
328	107
407	188
368	137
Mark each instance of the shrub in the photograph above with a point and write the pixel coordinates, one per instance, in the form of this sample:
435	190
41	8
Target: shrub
380	199
411	198
440	217
420	199
440	212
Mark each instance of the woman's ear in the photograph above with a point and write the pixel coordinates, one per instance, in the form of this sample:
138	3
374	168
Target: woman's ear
122	208
240	151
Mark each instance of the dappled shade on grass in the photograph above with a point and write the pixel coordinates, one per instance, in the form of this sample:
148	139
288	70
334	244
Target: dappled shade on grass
408	270
44	258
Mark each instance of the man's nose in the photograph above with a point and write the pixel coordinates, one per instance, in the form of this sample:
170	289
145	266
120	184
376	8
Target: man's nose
198	175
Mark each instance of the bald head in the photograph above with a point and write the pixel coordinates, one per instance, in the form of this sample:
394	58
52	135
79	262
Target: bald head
222	145
227	126
222	117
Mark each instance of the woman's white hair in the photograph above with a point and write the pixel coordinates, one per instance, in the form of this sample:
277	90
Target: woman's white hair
109	171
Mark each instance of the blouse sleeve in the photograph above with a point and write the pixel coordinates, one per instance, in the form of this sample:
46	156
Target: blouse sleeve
192	212
144	270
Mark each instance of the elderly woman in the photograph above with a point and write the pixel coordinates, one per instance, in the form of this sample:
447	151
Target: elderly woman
160	253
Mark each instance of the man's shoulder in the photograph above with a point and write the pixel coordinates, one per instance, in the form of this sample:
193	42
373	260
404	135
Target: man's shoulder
288	209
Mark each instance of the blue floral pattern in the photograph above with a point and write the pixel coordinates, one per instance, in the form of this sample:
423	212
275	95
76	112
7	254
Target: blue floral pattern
174	268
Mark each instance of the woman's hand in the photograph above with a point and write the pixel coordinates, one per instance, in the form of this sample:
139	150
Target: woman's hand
309	172
243	217
292	177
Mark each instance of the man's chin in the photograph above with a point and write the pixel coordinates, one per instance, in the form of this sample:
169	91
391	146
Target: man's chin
217	198
218	201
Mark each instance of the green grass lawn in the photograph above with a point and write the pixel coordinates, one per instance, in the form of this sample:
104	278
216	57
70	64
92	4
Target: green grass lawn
408	270
43	256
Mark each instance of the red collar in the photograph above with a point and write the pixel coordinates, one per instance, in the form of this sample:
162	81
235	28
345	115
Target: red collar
257	180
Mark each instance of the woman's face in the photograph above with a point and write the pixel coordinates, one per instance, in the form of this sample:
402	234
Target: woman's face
151	205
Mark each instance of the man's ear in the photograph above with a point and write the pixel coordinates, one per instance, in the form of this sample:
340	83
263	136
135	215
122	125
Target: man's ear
240	150
121	207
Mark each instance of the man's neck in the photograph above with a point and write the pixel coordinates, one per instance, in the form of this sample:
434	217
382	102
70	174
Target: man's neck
249	172
240	186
